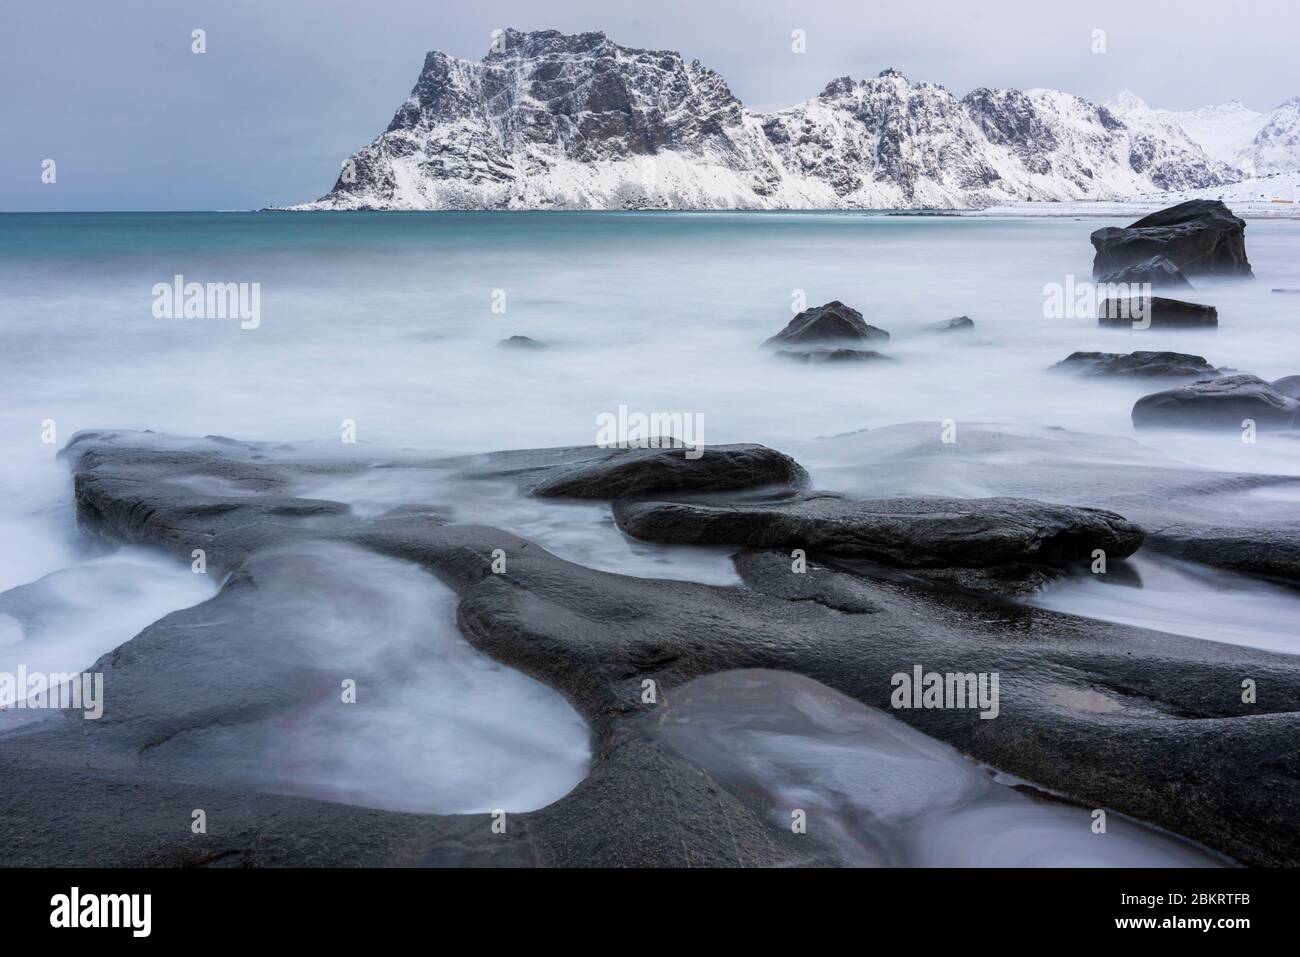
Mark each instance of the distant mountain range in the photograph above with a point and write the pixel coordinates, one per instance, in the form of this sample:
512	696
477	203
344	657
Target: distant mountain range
555	121
1258	144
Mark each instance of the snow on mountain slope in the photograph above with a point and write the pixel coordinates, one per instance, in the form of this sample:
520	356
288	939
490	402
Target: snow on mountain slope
548	120
1222	131
1276	147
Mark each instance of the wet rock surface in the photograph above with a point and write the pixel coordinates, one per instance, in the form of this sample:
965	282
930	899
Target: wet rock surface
607	473
908	532
1158	493
1108	715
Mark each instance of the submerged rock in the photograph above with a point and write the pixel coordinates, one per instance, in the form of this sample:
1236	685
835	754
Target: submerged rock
909	532
951	325
833	322
1136	365
1155	311
830	355
521	342
1200	237
1222	403
1157	271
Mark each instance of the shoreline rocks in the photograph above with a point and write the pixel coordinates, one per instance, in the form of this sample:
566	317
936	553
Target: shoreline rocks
1103	714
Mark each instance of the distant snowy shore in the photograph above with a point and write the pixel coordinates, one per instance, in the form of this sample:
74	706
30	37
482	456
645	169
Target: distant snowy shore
1264	197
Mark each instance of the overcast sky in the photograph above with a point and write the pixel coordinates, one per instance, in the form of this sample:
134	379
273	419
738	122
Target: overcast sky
289	88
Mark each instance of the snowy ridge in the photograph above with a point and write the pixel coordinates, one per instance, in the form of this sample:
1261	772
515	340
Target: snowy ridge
554	121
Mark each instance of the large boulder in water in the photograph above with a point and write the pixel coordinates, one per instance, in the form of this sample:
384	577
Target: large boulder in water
1156	311
832	323
1200	237
1143	365
1156	271
1222	403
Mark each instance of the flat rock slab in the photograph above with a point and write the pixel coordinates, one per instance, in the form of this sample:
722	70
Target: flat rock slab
1200	237
1208	508
588	472
1137	365
909	532
1222	403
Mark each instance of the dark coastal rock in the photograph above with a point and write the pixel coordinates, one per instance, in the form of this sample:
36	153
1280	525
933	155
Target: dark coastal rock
521	342
609	473
908	532
1207	506
1271	551
815	356
1199	237
1287	385
1140	365
228	499
1107	715
1158	312
1222	403
1156	271
832	323
951	325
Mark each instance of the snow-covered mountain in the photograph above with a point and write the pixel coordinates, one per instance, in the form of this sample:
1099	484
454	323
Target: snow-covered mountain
1276	147
1258	144
549	120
